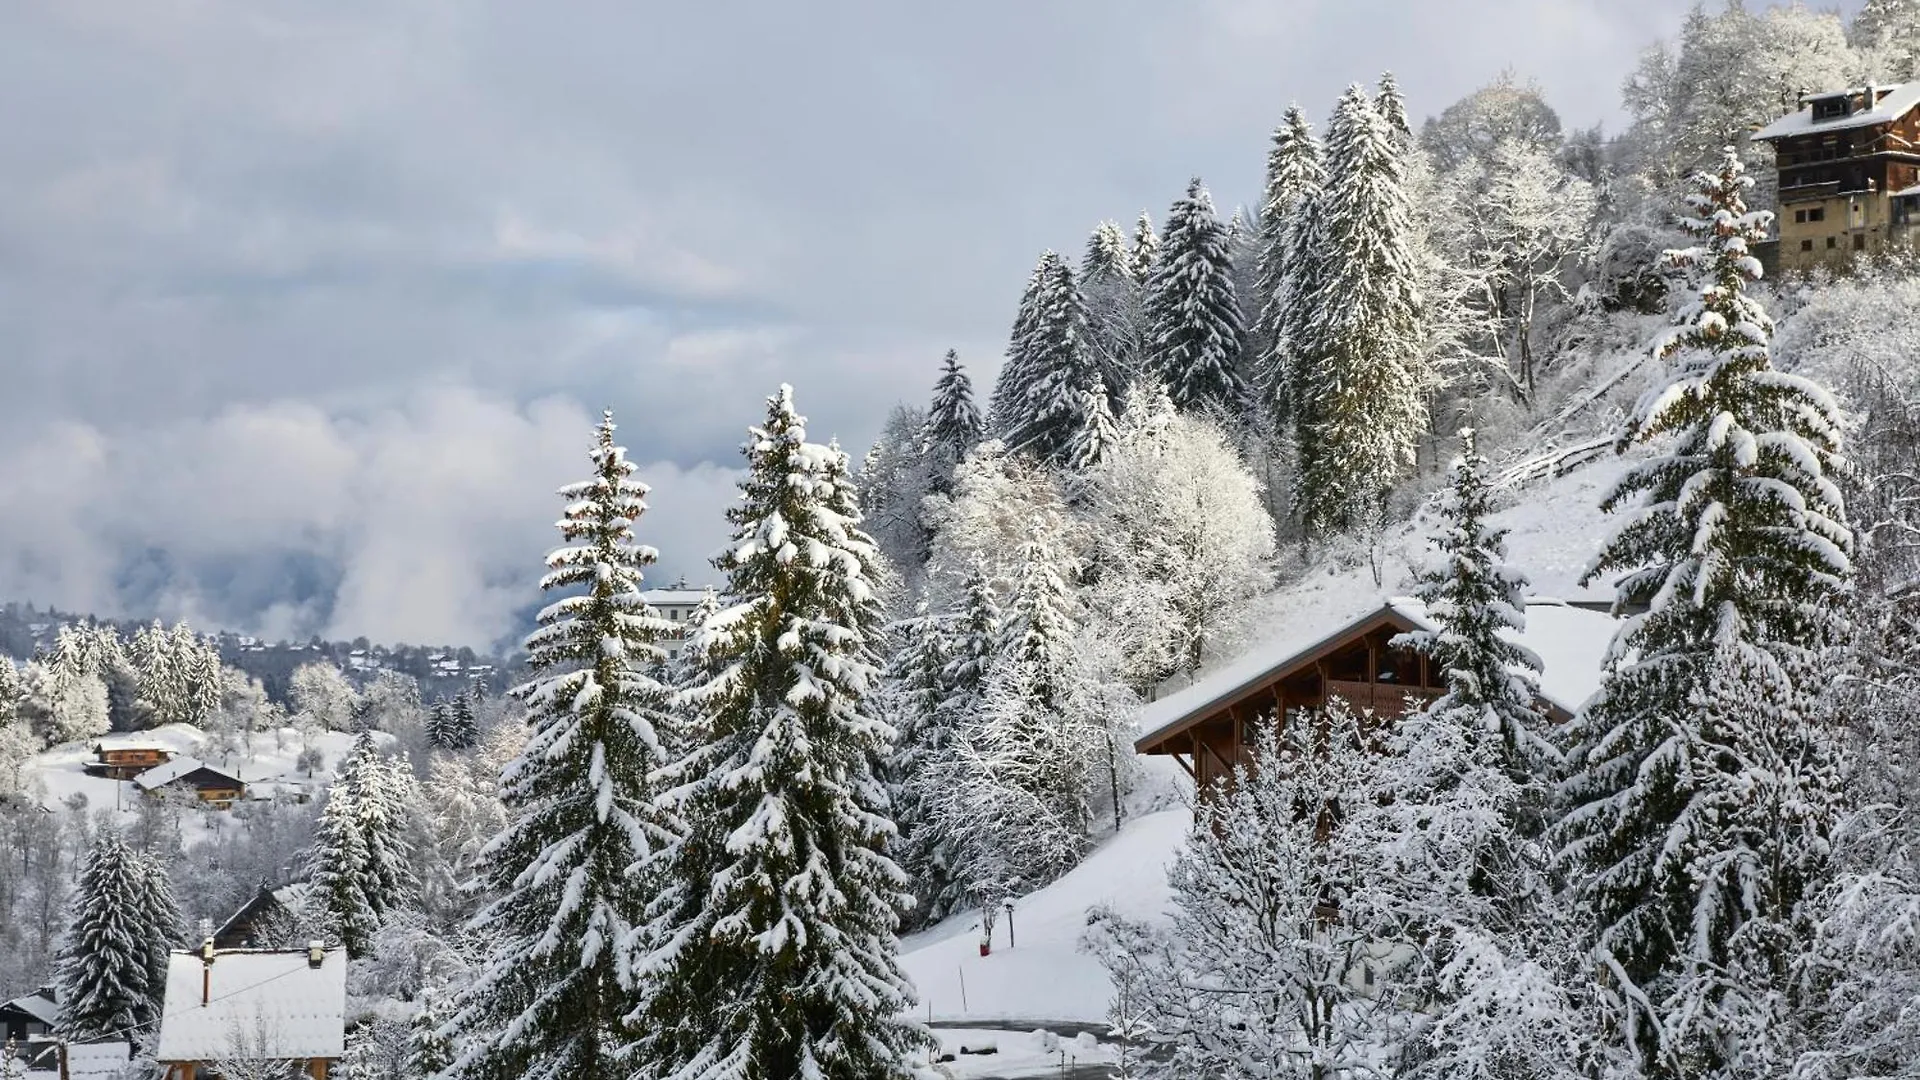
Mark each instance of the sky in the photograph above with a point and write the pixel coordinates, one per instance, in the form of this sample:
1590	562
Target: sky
308	306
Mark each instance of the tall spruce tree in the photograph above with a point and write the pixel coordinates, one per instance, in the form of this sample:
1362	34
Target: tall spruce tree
463	728
574	868
158	914
104	968
1113	305
1143	253
1360	400
1703	788
914	685
1194	313
954	425
782	959
1294	173
337	874
1062	364
1094	440
1007	408
1393	110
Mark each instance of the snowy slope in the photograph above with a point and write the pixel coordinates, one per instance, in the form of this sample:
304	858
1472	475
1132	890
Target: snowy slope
1556	529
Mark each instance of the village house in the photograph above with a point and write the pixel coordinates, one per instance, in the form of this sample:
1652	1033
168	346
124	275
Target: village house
210	785
1848	172
267	913
1210	727
675	604
57	1059
227	1008
127	757
29	1015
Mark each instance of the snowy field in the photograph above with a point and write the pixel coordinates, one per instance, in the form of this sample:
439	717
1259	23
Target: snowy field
268	769
1018	1053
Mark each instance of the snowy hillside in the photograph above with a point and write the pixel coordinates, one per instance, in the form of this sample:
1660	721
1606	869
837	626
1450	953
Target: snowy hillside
1556	528
269	769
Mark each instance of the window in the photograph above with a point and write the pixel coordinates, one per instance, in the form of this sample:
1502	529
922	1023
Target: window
1818	213
1799	217
1859	241
1806	245
1831	242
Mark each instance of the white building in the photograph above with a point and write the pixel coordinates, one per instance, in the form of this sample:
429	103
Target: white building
676	604
225	1007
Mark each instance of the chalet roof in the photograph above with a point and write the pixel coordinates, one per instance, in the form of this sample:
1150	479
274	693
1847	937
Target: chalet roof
40	1005
181	768
130	743
674	596
1897	102
1570	641
271	1002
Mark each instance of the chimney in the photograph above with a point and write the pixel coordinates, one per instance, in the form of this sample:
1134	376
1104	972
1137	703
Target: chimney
206	972
316	954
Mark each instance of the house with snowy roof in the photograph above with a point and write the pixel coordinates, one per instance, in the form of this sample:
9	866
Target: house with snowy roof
1848	172
126	757
676	604
258	919
29	1015
1211	727
213	786
57	1059
234	1010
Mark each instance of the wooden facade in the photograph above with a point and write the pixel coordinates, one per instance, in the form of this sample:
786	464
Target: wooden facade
126	762
1357	663
1848	175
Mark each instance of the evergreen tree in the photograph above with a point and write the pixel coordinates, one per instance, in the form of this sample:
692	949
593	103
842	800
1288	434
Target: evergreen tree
1360	400
1098	431
1704	779
1294	173
782	958
158	915
913	686
1194	314
953	422
1113	306
1062	366
573	870
440	724
463	730
1021	369
429	1049
1144	253
1393	110
337	874
104	967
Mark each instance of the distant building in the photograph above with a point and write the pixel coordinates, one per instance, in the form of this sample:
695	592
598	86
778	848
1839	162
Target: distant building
251	926
50	1059
676	604
126	758
281	1006
216	787
1848	170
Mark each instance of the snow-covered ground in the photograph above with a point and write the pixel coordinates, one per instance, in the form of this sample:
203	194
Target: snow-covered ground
267	769
1556	528
1018	1053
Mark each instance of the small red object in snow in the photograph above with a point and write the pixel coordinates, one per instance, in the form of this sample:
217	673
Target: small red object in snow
986	947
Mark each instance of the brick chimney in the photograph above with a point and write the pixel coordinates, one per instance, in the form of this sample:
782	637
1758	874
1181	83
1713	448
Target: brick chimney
206	972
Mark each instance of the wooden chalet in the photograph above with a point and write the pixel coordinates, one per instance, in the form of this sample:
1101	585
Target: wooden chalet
254	924
212	786
29	1015
124	759
284	1008
1848	172
1209	727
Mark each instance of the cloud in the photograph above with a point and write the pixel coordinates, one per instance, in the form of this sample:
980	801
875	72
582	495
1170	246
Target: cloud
422	523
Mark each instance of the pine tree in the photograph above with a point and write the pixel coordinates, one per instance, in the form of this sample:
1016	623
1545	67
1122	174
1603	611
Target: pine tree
913	687
337	874
1144	252
429	1049
1294	174
1393	110
196	664
158	916
104	967
1360	399
1017	375
463	730
1195	316
1098	431
953	422
573	869
439	724
781	961
384	800
1113	306
1704	780
1062	366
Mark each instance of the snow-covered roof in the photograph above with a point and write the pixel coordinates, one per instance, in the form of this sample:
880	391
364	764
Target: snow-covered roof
1914	190
1894	102
97	1061
37	1005
1570	641
131	742
162	775
272	1002
688	597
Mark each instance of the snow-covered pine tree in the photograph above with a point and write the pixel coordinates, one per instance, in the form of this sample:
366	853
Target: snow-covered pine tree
430	1051
1361	397
1113	305
1702	793
1098	431
438	727
781	960
954	425
1393	109
912	688
197	671
1143	253
1294	173
1477	599
463	728
1063	367
1196	335
158	914
386	801
1007	408
574	869
104	965
337	874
